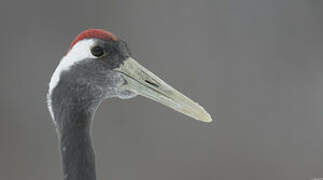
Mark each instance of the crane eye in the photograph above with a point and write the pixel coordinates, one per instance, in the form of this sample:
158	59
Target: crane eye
97	51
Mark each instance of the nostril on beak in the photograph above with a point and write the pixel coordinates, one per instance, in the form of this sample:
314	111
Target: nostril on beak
151	83
125	82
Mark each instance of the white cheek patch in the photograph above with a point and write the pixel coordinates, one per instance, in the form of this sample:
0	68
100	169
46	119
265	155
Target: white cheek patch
79	52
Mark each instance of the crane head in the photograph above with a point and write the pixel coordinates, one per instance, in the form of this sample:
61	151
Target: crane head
102	64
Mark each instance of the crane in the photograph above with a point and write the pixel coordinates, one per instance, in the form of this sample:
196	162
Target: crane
98	66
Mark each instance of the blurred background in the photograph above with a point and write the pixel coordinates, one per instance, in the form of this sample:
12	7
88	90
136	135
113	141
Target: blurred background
257	64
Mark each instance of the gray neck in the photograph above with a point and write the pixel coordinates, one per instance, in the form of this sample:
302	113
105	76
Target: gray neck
74	109
76	148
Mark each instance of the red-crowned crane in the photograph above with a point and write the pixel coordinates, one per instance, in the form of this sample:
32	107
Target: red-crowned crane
98	66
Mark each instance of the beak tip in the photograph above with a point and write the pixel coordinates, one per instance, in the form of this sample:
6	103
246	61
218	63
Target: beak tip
206	118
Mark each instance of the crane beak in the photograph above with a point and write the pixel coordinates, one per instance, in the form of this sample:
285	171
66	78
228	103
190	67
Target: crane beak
143	82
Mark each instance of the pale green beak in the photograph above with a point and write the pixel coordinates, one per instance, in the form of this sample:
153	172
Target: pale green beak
143	82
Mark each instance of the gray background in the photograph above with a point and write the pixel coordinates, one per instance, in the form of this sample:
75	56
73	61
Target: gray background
256	63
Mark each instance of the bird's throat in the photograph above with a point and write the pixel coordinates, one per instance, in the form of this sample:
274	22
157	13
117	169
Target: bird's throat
75	145
73	114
